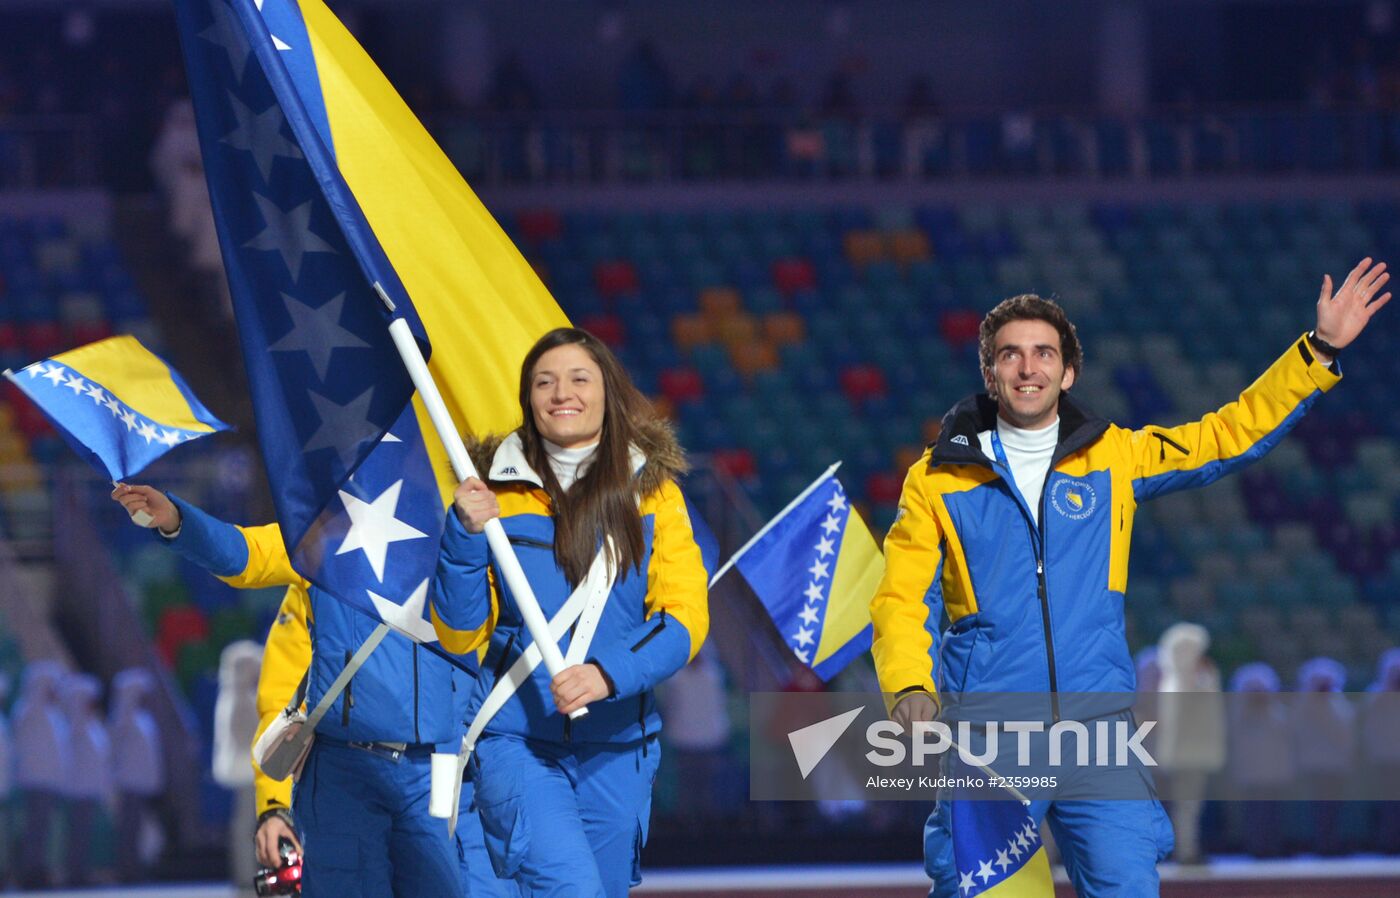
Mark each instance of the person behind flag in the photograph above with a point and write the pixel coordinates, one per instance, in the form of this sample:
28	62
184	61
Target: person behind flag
361	804
1016	526
586	489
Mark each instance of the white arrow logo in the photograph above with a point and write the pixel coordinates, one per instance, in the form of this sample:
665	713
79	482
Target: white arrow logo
811	743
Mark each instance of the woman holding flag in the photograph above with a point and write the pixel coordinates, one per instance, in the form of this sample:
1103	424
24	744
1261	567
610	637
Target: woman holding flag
586	490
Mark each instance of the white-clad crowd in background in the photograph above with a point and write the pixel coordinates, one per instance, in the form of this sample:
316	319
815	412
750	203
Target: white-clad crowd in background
65	767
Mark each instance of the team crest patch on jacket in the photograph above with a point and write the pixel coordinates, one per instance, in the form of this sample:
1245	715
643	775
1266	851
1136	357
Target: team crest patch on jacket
1075	499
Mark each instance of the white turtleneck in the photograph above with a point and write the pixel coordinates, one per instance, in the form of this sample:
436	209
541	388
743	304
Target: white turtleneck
569	464
1028	452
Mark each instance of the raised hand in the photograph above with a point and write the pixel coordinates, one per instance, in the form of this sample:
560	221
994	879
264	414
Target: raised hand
1343	315
153	502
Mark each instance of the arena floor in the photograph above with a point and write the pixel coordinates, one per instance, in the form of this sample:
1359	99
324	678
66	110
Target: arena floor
1223	878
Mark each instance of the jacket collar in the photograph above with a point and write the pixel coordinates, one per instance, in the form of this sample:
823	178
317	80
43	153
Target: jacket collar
958	443
509	463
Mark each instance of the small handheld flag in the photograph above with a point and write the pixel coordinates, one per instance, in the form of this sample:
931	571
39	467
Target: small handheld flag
814	568
116	403
997	850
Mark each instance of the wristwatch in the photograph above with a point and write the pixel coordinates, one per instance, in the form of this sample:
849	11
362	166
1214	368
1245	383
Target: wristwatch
1321	345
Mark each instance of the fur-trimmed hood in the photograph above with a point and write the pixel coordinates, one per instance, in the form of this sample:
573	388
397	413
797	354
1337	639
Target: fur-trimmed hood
655	449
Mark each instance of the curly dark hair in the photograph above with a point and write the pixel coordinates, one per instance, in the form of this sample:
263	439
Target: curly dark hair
1028	307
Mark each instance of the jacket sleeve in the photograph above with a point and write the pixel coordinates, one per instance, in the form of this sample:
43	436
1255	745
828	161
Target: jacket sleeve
1166	459
677	613
286	656
243	557
465	603
906	609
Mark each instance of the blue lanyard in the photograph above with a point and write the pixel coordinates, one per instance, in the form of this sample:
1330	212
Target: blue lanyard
1000	452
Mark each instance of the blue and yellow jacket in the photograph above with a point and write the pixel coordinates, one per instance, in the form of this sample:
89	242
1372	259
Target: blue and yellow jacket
286	657
1040	608
403	693
653	623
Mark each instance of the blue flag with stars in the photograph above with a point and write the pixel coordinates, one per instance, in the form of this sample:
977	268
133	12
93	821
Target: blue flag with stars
814	567
344	454
997	850
326	190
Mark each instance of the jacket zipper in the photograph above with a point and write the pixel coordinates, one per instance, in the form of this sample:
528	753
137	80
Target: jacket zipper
1042	591
1165	442
655	630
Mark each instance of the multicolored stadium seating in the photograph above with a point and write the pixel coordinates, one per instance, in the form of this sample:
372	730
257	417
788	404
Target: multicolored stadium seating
782	341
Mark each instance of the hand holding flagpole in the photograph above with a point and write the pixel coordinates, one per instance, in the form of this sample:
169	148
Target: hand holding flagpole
462	466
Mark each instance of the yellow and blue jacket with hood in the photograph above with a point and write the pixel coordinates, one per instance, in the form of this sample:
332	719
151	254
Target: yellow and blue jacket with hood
653	623
978	597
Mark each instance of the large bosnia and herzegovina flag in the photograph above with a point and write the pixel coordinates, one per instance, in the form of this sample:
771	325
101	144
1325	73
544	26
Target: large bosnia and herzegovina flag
323	185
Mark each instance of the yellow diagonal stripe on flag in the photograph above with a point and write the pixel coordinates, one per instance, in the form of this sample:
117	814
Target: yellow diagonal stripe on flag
859	567
136	377
1033	880
481	303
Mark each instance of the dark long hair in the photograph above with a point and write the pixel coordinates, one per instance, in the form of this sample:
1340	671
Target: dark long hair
603	502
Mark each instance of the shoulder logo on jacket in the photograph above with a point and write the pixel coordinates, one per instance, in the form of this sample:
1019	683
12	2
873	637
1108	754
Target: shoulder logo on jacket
510	472
1075	499
959	440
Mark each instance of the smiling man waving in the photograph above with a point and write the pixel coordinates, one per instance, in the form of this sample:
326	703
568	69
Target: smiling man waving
1017	524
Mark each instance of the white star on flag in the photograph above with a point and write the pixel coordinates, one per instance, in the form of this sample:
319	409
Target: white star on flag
813	593
339	423
1022	840
1031	833
54	375
260	133
169	437
129	419
808	614
113	406
825	547
408	617
288	234
837	503
803	637
985	871
965	882
373	527
228	33
831	525
316	332
802	656
818	570
1002	861
76	384
97	394
147	432
1014	849
276	41
36	369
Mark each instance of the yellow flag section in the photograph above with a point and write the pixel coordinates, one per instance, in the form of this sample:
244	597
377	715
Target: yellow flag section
481	303
1033	880
859	567
138	378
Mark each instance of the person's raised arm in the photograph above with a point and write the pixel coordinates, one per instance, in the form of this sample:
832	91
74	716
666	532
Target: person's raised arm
1166	459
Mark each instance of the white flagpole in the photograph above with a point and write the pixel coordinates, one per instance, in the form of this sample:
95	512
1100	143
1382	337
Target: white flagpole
724	568
463	468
